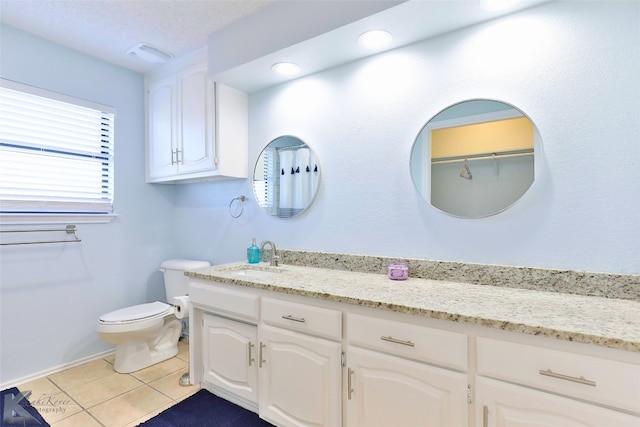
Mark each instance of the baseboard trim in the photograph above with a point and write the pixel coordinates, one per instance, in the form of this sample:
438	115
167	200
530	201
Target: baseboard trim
32	377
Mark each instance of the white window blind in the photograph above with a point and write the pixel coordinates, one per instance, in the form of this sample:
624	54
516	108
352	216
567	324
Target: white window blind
266	189
56	153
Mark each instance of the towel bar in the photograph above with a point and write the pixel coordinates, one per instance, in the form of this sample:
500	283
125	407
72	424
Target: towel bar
69	229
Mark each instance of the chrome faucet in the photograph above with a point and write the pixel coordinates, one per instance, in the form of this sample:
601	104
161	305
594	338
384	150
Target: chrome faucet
273	257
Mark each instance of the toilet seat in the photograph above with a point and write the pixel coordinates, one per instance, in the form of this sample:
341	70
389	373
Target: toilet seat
137	313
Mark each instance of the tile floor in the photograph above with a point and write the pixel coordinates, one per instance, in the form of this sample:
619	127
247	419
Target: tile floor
94	395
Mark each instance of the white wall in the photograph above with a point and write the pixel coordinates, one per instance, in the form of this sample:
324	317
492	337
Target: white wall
572	67
52	295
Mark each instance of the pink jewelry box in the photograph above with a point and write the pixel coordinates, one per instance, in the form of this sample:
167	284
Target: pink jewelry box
398	272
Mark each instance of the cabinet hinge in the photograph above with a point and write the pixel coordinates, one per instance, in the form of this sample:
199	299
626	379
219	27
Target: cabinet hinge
469	394
343	359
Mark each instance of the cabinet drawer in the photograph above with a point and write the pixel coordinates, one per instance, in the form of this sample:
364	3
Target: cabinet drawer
591	378
417	342
225	301
303	318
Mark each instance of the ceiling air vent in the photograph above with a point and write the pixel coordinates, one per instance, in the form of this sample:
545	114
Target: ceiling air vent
149	53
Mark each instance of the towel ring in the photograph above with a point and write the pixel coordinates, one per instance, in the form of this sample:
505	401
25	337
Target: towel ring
241	199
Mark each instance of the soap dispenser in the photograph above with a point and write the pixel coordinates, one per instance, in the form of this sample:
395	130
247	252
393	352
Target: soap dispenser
253	253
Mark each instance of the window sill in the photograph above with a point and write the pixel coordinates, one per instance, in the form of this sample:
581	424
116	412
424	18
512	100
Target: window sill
29	219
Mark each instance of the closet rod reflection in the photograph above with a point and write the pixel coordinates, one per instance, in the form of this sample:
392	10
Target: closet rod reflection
69	229
483	156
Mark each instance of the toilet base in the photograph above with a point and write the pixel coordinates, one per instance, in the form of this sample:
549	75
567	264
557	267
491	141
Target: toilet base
134	355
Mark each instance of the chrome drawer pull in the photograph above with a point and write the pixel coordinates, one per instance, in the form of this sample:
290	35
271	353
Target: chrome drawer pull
295	319
261	361
251	359
397	341
581	380
485	416
349	387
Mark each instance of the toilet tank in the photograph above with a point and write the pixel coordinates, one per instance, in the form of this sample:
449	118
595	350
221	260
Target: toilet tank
175	282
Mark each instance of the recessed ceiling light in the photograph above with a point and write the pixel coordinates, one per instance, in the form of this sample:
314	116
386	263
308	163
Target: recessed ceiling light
375	39
286	68
494	5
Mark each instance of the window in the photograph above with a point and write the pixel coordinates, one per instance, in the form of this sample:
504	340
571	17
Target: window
56	154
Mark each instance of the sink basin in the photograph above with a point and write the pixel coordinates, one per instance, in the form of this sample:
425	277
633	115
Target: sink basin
254	272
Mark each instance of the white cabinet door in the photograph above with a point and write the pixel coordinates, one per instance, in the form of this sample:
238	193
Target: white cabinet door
196	150
230	357
383	391
501	404
299	379
162	128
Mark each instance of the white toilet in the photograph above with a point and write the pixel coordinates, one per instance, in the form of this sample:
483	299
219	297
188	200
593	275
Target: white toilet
146	334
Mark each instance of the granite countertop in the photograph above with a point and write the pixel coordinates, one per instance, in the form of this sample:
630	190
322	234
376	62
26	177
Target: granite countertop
607	322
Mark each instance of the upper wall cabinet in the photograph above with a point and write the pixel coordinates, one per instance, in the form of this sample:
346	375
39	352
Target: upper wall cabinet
196	129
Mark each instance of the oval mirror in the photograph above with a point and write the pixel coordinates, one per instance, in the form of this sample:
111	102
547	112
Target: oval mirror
475	158
286	177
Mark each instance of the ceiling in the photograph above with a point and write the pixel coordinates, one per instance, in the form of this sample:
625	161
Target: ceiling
408	21
106	29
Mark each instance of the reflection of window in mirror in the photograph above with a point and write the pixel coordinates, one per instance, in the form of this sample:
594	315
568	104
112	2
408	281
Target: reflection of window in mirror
474	159
285	178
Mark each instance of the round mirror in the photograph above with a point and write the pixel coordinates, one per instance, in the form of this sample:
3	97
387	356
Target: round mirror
286	177
474	158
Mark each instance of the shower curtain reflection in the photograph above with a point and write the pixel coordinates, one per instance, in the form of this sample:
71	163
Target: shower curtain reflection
286	177
297	179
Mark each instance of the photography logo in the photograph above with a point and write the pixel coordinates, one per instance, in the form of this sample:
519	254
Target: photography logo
14	413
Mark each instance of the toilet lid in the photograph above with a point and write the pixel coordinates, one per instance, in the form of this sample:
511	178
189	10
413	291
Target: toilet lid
135	312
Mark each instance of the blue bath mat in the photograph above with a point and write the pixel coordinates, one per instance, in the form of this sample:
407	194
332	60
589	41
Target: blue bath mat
15	410
205	409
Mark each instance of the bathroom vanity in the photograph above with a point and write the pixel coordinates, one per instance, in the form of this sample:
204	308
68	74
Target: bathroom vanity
309	346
